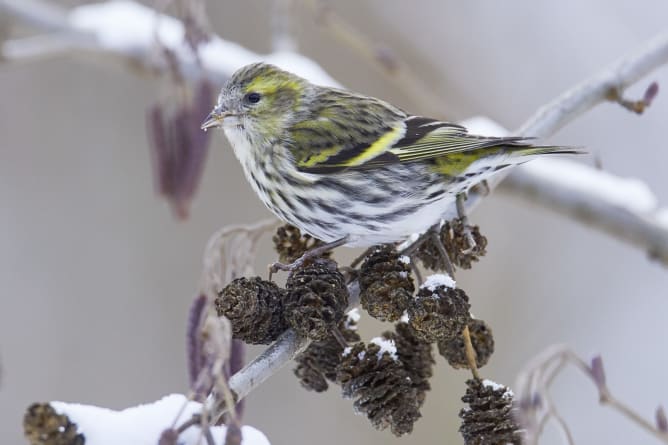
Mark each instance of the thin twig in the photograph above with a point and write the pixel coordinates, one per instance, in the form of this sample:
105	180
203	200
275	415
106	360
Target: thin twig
470	353
534	383
379	55
282	38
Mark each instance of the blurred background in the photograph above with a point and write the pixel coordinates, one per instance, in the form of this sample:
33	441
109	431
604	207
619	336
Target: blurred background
97	274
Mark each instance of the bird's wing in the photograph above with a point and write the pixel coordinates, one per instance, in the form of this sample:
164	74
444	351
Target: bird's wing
346	131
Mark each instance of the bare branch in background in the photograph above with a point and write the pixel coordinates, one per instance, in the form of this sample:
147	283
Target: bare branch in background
380	55
648	228
230	253
636	106
282	38
37	13
536	407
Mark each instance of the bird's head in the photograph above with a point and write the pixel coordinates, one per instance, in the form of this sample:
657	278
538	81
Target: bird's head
259	100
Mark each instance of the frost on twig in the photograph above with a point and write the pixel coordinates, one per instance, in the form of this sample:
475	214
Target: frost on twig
536	407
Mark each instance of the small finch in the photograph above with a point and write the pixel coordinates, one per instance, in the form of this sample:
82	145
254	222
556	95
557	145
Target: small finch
352	169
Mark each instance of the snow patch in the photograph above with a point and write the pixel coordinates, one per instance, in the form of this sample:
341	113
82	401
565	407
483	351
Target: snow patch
662	217
386	345
352	318
484	126
405	259
629	193
436	280
143	424
507	392
129	27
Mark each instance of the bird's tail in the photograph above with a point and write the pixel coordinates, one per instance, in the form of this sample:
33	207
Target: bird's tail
531	150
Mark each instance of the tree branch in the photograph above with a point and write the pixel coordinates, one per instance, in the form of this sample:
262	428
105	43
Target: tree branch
646	229
617	77
93	30
578	194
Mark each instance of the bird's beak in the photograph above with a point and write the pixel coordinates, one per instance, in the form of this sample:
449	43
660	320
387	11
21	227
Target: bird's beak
214	119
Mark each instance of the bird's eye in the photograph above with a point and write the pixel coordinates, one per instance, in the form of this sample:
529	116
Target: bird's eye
252	98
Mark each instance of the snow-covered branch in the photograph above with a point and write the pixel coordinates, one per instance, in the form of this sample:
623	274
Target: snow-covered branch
604	85
141	425
622	207
94	29
625	208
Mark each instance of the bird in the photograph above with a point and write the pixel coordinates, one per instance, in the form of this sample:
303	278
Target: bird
350	169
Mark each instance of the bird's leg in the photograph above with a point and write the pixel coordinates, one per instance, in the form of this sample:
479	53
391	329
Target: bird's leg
336	332
308	255
482	188
416	271
461	212
433	234
359	259
436	237
413	247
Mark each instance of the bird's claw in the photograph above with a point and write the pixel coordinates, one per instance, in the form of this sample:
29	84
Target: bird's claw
461	212
276	266
309	255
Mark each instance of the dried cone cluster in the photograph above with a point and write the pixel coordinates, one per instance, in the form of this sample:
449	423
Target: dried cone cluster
312	303
43	426
482	340
316	299
488	420
382	388
318	363
255	308
439	311
386	286
456	244
389	377
290	244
